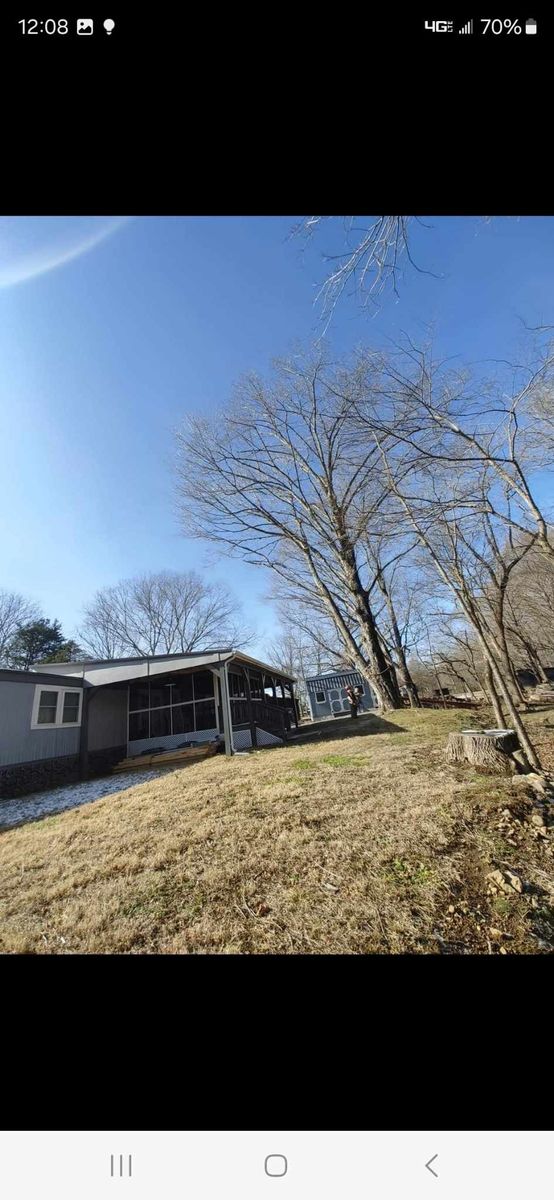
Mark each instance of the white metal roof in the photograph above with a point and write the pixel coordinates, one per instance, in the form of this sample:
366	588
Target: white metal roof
122	670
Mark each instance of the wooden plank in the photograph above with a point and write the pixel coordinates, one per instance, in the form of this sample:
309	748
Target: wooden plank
149	760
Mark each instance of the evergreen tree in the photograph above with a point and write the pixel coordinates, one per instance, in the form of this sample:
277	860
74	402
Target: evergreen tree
69	651
35	642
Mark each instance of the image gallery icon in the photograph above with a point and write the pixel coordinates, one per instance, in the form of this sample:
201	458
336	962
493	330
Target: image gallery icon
85	25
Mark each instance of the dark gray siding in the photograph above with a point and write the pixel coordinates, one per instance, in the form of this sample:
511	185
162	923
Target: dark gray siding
18	742
107	719
338	702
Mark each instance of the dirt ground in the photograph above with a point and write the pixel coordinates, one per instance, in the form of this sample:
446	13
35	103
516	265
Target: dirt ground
363	841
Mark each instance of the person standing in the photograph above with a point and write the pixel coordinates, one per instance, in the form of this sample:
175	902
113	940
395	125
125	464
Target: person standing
353	700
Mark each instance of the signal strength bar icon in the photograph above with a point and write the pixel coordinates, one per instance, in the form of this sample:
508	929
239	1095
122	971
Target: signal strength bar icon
467	28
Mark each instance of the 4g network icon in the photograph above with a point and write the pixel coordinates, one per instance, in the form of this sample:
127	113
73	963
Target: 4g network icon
440	26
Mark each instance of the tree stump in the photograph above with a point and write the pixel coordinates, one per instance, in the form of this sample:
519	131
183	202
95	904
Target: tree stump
488	748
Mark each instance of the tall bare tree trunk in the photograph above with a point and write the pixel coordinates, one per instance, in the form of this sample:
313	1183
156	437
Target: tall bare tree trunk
494	697
502	687
403	669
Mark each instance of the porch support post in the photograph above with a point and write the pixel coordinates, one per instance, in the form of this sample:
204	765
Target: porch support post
274	689
226	709
294	704
253	732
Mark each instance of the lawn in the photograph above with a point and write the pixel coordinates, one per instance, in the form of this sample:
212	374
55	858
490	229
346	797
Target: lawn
361	842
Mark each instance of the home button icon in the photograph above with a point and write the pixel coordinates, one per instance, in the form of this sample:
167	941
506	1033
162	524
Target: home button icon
275	1165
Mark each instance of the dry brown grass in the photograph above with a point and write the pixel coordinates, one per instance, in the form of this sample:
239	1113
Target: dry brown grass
356	844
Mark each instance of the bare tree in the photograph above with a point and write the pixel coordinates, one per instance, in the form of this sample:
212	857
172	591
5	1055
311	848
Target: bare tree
459	502
15	611
486	424
279	479
376	249
388	558
530	613
299	653
164	613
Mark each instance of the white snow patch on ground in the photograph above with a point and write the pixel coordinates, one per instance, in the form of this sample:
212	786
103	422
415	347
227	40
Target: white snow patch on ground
72	795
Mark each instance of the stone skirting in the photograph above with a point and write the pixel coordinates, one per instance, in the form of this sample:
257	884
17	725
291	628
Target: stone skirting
100	762
20	779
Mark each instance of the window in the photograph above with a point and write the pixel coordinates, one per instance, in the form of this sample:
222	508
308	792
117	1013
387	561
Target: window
70	714
160	695
320	697
48	704
56	706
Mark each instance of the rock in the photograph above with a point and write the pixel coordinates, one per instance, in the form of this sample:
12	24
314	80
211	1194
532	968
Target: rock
521	781
506	881
451	908
502	950
495	933
536	781
537	819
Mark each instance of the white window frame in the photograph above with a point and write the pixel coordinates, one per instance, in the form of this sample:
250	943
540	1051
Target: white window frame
62	692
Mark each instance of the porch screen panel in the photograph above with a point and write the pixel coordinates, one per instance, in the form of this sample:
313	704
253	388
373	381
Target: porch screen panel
183	718
182	689
139	725
181	704
138	697
203	686
255	686
205	714
160	722
237	686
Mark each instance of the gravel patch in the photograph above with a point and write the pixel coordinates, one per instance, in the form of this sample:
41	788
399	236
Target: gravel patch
37	805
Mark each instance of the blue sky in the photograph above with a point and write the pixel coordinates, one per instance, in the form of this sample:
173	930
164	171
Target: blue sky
103	353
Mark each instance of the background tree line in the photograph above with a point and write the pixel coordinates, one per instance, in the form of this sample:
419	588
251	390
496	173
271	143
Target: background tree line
168	612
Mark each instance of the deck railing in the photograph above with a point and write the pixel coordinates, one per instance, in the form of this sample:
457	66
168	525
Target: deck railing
270	717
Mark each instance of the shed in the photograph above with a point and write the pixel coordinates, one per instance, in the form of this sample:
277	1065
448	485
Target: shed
327	693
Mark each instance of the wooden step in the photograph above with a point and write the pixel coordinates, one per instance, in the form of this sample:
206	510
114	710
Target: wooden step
170	756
